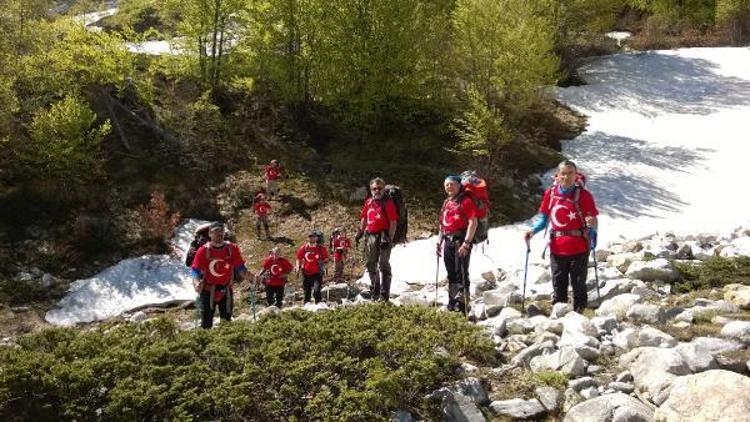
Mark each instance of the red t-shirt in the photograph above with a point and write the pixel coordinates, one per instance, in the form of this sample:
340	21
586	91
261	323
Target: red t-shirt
218	266
262	208
376	220
272	173
456	215
341	246
277	270
311	257
563	216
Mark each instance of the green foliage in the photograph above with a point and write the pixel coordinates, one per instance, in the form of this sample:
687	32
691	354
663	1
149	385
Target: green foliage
65	143
733	18
554	379
676	15
356	364
715	272
481	131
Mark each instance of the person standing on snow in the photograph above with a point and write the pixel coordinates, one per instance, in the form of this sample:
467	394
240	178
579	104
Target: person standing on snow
571	210
378	220
217	264
458	223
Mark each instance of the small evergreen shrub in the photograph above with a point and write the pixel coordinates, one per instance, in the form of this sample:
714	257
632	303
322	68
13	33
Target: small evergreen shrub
714	272
348	364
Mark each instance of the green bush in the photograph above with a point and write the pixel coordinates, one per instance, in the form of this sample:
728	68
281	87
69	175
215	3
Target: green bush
355	364
715	272
733	19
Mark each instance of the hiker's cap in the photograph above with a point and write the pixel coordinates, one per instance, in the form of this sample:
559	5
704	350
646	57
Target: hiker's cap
453	178
216	226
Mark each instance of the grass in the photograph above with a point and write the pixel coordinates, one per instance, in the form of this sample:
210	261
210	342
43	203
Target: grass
698	329
714	272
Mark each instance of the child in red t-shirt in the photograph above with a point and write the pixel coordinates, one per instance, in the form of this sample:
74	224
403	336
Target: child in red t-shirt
276	269
261	208
271	174
340	245
311	258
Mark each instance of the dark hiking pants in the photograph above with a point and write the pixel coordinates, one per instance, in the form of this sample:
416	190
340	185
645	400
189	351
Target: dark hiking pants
262	219
457	268
312	285
571	269
224	305
274	295
378	263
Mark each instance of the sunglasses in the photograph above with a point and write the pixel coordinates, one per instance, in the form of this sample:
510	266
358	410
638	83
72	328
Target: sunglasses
376	188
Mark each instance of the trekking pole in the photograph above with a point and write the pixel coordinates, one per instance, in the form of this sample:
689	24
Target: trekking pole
197	309
525	274
253	294
437	272
596	277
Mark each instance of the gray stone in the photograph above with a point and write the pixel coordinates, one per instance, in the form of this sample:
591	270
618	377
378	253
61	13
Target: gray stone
589	393
549	397
623	387
657	270
624	376
139	316
565	360
456	406
625	339
646	313
605	324
738	294
519	326
714	395
560	309
402	416
524	357
570	399
579	384
653	368
472	387
622	261
700	352
610	289
737	329
518	408
649	336
603	409
534	309
618	306
593	369
587	352
48	281
685	252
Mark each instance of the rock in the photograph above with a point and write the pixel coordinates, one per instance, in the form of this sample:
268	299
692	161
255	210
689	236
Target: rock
519	326
653	368
495	300
518	408
625	339
524	357
618	306
714	395
649	336
593	370
534	309
560	309
402	416
489	276
467	368
579	384
737	329
552	326
472	387
622	261
139	316
48	281
699	353
408	298
587	352
656	270
732	363
605	324
570	399
499	322
565	360
589	393
624	376
738	294
739	247
646	313
268	310
456	406
685	252
610	289
548	397
603	254
623	387
604	408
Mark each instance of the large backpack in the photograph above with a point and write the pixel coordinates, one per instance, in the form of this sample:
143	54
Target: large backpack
475	188
402	226
199	239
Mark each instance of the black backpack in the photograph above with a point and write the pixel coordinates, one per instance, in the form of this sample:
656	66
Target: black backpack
402	227
198	241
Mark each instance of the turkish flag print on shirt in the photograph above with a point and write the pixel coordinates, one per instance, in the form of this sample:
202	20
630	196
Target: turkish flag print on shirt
277	269
262	208
456	214
311	257
272	173
563	216
217	268
376	219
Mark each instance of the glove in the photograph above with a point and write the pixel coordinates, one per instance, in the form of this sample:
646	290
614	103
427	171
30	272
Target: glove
527	236
592	238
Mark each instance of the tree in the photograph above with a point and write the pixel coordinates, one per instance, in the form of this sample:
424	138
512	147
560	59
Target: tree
733	18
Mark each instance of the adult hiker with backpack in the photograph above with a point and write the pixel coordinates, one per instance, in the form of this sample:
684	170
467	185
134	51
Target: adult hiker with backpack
217	264
200	237
262	209
571	211
274	275
340	245
458	224
311	259
382	225
271	174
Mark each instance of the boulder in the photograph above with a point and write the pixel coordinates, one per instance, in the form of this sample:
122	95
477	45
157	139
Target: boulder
524	356
652	337
402	416
610	289
565	360
419	298
738	294
560	309
605	407
605	324
700	352
714	395
622	261
656	270
625	339
518	408
654	368
618	306
646	313
549	397
737	329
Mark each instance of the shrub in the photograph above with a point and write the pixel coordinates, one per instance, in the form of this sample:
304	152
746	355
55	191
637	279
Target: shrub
348	364
156	222
733	19
714	272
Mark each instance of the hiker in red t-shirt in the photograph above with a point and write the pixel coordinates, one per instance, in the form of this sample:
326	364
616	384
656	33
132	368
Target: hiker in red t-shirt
458	223
271	174
261	208
571	210
340	245
217	264
275	272
378	220
311	259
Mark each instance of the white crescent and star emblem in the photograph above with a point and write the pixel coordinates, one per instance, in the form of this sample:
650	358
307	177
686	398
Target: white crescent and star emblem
554	215
448	219
212	267
311	257
275	269
373	215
